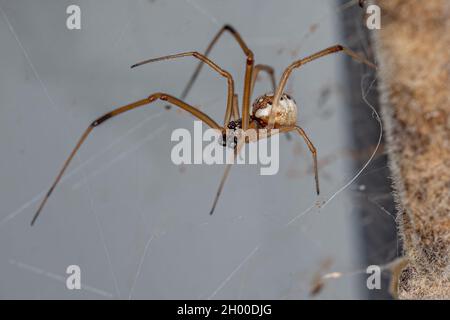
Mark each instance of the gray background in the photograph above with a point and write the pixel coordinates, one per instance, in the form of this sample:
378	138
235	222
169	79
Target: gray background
137	225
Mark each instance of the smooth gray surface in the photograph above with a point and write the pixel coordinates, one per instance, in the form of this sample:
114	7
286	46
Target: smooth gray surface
136	224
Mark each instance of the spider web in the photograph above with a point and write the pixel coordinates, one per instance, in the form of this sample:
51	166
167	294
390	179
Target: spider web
138	225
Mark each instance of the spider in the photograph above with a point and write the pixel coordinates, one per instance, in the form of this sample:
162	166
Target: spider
276	110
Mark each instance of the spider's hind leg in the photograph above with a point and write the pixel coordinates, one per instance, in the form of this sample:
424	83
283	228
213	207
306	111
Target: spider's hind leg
311	148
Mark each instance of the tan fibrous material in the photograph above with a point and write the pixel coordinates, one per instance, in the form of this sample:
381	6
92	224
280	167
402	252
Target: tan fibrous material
413	50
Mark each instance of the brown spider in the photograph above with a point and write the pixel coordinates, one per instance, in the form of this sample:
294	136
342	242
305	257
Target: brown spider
276	110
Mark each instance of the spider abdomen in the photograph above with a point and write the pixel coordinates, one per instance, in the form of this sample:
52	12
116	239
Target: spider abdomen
285	113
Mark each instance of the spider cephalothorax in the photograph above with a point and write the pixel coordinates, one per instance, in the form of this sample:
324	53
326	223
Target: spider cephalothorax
284	115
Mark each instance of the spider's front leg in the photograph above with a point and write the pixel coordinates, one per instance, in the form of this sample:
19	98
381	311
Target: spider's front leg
203	59
152	98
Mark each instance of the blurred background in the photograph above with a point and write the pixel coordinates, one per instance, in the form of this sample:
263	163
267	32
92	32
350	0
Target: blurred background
138	225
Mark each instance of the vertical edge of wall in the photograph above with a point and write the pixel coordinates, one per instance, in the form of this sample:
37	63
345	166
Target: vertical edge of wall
413	55
379	245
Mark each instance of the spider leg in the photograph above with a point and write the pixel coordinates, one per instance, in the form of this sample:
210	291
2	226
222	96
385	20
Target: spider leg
235	108
215	67
311	148
264	134
152	98
258	68
248	70
299	63
236	36
225	176
270	132
250	135
269	70
221	184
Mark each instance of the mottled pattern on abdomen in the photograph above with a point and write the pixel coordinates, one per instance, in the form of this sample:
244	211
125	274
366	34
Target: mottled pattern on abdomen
285	114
